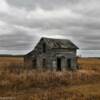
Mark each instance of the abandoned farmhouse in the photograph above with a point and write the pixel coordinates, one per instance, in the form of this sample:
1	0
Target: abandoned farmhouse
53	54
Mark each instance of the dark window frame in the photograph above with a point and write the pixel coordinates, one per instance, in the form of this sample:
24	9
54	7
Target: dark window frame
34	63
44	47
44	63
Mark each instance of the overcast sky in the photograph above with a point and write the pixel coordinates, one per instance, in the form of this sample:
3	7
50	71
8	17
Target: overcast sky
24	22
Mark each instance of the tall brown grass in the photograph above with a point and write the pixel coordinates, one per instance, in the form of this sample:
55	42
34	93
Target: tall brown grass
26	84
89	63
38	85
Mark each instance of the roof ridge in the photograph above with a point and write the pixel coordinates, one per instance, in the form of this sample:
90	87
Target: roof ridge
62	43
55	38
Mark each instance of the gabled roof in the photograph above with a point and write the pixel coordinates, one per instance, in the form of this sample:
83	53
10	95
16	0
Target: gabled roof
59	43
56	44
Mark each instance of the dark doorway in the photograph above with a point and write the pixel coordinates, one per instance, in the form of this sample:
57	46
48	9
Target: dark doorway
69	63
58	64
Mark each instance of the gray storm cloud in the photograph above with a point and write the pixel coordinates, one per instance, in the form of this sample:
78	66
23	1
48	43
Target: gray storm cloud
45	4
17	41
23	22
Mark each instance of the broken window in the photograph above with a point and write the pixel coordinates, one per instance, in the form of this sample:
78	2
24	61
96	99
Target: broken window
34	63
44	63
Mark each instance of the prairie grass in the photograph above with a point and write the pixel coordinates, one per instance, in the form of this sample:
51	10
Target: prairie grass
89	63
83	84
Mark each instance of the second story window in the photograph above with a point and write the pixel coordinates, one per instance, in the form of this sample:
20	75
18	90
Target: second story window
44	47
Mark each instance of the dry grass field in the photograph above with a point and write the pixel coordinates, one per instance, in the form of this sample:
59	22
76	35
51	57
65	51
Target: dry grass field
89	63
83	84
10	60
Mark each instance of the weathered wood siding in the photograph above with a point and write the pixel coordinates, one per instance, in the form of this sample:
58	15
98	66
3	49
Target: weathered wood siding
51	57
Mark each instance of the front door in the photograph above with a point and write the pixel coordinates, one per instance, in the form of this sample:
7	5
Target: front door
58	64
69	63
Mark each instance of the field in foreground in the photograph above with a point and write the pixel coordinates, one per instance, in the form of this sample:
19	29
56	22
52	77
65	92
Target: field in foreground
83	84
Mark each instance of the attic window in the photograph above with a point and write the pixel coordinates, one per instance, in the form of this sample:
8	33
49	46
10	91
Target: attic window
44	47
